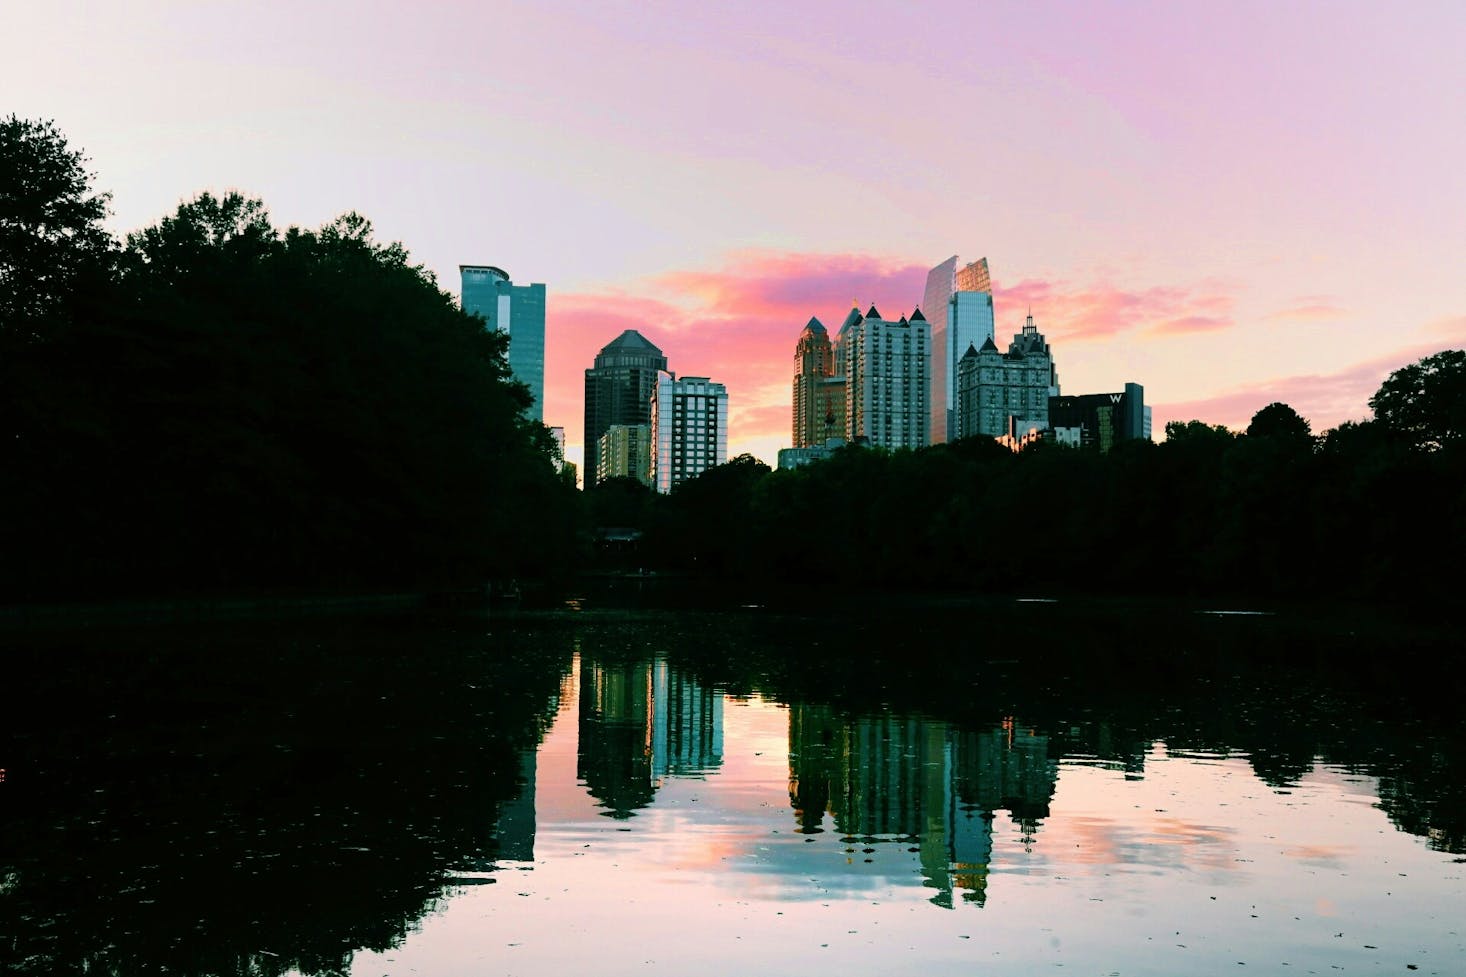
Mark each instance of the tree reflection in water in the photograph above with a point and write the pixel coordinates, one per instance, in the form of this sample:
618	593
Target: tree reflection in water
261	798
254	799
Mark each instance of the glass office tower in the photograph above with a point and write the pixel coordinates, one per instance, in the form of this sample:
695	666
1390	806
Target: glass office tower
959	305
518	310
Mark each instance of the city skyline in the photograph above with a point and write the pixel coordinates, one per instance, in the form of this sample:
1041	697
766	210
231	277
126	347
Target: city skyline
1190	196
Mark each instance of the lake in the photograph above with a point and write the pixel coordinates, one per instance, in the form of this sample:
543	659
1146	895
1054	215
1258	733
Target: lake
991	787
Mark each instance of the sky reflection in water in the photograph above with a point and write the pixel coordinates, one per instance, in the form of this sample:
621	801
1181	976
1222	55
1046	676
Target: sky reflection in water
668	828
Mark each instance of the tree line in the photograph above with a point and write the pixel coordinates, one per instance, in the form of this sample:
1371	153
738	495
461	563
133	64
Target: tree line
214	404
1374	509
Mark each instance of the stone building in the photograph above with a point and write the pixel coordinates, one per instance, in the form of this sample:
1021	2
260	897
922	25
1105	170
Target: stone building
1006	394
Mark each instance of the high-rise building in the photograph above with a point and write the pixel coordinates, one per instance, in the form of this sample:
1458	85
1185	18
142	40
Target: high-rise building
959	304
999	394
689	429
819	393
1100	420
885	367
625	451
618	390
518	310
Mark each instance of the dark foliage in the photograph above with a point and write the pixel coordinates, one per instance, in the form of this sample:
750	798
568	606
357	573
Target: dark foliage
217	406
52	244
233	408
1425	403
1276	513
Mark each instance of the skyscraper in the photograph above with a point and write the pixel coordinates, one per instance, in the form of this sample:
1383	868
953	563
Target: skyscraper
618	390
959	304
819	393
689	429
1005	393
886	388
518	310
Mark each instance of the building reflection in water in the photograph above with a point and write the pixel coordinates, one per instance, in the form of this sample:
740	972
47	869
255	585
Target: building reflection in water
641	722
514	834
888	779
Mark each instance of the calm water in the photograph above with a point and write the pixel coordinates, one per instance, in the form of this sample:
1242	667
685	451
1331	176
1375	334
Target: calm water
1094	790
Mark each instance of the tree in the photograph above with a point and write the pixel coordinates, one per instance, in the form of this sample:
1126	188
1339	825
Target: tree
302	408
51	234
1425	402
1198	432
1279	422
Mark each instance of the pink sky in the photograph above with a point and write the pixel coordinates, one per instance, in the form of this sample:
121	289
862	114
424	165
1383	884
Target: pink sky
1229	203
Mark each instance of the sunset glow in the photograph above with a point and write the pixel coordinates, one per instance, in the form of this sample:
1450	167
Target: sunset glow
1229	204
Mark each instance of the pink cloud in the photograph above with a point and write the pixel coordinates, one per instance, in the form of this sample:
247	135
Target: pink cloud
791	285
1452	327
1191	323
737	324
1071	313
1326	400
1309	308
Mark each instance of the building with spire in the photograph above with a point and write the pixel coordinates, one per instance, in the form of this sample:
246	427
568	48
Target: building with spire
959	304
819	393
887	389
1006	394
618	390
519	311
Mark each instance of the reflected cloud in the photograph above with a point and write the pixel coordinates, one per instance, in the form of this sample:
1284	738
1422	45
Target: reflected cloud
1320	856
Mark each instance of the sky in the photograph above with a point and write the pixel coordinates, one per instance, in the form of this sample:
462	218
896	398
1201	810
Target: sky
1228	203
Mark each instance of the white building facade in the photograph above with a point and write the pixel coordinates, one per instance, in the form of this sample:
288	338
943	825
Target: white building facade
887	379
689	429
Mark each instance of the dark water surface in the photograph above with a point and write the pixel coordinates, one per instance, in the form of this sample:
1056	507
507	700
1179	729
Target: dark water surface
1005	788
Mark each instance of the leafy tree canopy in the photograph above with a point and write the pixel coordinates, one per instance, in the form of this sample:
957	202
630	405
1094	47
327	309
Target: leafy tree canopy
1280	422
51	232
1425	402
1198	432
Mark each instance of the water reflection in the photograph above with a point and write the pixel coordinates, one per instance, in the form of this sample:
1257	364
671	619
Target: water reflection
306	798
908	781
257	801
641	722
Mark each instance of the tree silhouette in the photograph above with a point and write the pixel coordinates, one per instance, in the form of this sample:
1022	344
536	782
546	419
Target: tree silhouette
1425	402
51	234
1281	423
